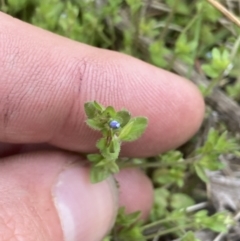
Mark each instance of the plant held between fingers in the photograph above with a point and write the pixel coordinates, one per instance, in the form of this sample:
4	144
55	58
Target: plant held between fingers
115	127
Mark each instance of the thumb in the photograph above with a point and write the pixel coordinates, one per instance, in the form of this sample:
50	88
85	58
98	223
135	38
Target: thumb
48	196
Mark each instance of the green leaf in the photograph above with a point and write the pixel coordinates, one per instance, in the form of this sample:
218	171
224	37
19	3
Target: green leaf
98	106
211	162
217	222
171	157
208	70
225	144
201	173
216	54
169	176
218	143
225	55
186	58
200	215
134	129
102	170
126	130
109	155
109	112
113	167
130	226
182	9
94	157
161	202
99	173
112	152
102	144
132	233
109	165
182	45
189	236
134	5
115	145
17	5
157	52
123	116
212	136
181	200
95	125
127	220
90	110
108	238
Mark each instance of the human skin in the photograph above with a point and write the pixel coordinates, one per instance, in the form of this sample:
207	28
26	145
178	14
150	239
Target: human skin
45	193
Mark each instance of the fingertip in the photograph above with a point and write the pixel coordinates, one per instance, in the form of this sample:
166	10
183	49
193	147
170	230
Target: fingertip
174	107
191	108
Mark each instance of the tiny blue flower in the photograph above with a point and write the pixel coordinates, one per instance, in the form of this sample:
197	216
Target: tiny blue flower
114	124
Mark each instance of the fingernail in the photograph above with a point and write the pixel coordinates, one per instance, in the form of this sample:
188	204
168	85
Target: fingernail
86	211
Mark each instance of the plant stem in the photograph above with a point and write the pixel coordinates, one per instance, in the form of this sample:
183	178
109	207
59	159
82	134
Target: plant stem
220	236
170	230
196	207
235	49
212	85
196	39
168	21
225	11
156	223
197	35
194	19
159	164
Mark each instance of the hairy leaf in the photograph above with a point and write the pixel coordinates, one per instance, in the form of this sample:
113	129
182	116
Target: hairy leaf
99	173
123	116
90	110
95	125
94	157
134	129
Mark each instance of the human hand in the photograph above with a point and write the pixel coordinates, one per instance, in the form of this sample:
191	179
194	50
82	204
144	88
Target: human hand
45	79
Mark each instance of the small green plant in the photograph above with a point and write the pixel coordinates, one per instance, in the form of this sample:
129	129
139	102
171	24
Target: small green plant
184	48
180	219
128	226
219	65
234	91
220	60
115	127
189	236
171	168
206	157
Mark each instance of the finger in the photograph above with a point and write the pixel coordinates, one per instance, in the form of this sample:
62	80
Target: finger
45	80
47	196
135	184
7	149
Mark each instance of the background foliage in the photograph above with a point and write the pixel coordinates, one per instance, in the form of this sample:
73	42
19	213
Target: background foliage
163	33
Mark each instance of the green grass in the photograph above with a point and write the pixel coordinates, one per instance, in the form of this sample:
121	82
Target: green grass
203	40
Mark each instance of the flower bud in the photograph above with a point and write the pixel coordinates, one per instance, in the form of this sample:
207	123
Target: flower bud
114	124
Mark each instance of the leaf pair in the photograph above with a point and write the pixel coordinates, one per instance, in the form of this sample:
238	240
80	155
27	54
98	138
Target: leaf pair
134	129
